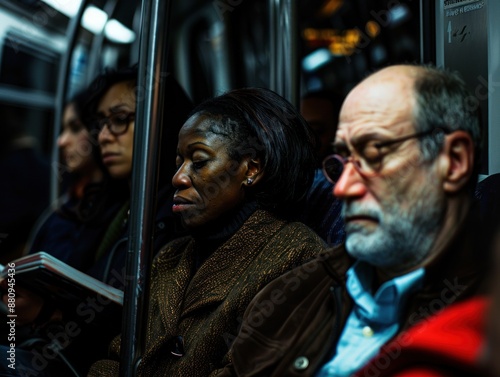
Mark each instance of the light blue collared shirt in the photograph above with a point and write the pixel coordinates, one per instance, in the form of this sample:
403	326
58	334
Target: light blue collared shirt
374	319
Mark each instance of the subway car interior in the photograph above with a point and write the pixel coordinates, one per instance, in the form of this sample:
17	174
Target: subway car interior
50	49
213	46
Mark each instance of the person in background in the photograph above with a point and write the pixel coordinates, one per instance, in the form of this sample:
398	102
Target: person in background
323	211
90	199
114	106
73	231
321	111
245	161
405	167
110	111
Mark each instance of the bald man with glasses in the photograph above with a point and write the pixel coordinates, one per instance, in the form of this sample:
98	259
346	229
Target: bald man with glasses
405	167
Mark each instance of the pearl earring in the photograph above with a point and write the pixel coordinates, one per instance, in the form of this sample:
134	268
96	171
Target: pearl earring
249	181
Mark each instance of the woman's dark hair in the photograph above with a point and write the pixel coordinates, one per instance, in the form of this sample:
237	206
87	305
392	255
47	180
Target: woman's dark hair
100	85
259	123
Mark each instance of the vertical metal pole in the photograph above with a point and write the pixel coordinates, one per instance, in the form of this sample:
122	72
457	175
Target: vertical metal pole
62	89
284	47
288	47
272	45
153	48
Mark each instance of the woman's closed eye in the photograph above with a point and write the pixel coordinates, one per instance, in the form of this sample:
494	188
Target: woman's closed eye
199	164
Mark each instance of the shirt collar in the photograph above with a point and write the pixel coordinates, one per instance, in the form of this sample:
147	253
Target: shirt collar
385	306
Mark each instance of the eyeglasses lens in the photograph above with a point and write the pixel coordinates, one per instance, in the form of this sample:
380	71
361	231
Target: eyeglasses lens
332	167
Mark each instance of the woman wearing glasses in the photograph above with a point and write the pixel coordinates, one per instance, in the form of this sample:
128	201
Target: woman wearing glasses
112	107
72	233
90	200
245	161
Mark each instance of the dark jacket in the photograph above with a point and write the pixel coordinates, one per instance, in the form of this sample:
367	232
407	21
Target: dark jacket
76	243
300	332
195	313
73	239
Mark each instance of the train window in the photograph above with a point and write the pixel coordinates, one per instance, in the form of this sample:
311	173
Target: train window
28	65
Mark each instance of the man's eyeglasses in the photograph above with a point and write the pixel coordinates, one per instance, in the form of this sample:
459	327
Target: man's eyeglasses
117	123
368	156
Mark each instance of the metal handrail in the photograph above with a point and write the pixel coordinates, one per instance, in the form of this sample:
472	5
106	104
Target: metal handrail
152	60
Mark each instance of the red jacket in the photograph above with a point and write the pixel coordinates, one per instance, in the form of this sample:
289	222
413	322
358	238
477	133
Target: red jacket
446	344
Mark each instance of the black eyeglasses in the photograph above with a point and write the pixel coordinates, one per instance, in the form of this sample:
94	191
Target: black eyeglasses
369	156
117	123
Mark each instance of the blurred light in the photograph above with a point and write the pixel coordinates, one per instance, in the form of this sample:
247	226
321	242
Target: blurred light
330	7
316	59
379	54
118	33
399	14
66	7
94	19
340	43
372	28
314	84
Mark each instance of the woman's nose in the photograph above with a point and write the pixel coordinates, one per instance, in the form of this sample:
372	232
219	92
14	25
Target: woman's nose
104	135
62	140
181	178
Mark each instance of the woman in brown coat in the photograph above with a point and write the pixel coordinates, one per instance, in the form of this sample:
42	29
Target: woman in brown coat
245	161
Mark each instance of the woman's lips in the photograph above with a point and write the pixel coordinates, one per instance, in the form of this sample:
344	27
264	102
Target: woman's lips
181	204
108	158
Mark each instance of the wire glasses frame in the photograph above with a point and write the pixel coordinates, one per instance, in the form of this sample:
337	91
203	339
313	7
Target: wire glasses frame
117	123
334	164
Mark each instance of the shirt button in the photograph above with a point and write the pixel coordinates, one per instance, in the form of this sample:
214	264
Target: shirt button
301	363
161	225
367	332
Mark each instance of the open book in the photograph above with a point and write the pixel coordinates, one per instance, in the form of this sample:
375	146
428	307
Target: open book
48	277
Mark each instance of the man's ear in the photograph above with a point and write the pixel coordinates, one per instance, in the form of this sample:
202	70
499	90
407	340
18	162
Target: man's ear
458	166
253	172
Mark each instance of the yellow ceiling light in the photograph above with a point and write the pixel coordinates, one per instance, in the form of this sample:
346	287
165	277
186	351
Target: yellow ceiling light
340	43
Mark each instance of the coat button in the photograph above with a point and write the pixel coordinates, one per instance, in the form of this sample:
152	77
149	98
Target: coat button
367	332
301	363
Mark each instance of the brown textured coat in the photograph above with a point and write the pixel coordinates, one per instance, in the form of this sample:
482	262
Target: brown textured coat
206	308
